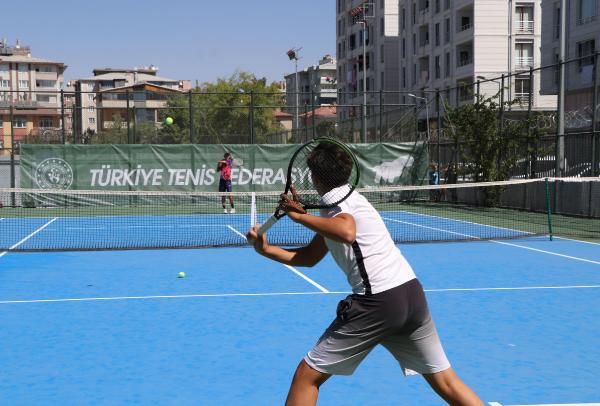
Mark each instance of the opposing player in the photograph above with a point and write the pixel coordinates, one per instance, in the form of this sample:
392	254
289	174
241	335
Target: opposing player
387	307
224	166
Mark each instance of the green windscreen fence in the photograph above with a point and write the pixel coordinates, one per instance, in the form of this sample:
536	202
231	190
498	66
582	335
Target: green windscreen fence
193	167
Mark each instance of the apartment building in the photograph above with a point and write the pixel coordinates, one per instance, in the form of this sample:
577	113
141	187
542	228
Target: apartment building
446	43
102	97
367	54
582	39
317	80
31	86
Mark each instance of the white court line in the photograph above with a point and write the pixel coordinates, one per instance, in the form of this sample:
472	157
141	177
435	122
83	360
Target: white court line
28	237
291	268
572	239
495	241
156	226
225	295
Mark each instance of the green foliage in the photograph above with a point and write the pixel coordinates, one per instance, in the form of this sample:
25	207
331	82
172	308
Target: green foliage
222	109
489	147
325	129
116	133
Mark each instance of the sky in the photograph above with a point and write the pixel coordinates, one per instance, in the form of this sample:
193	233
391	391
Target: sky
186	39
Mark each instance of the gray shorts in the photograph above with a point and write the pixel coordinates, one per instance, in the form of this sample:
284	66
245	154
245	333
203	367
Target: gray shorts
398	319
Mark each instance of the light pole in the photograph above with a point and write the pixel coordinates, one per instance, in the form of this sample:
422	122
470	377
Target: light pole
293	55
426	111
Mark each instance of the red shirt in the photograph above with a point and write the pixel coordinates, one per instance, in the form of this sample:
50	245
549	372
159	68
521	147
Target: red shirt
226	170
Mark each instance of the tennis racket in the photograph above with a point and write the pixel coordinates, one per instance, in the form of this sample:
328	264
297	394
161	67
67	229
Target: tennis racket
332	166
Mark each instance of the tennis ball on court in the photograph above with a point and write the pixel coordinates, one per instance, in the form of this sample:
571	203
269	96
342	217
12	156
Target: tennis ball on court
169	120
181	275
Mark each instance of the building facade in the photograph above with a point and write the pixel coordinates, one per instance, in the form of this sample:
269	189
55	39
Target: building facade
102	97
318	80
454	43
582	40
30	93
367	55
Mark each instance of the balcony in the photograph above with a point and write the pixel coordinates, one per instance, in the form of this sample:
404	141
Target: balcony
524	27
523	62
586	20
464	61
465	27
522	98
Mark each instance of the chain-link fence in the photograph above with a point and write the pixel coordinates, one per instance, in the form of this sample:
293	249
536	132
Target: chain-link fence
523	123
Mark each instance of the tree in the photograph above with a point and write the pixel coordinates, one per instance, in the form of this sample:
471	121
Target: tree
488	146
223	110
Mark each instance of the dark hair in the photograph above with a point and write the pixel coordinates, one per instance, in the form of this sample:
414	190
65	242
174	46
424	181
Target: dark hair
227	155
330	164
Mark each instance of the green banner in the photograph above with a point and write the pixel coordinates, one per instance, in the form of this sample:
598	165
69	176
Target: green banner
193	167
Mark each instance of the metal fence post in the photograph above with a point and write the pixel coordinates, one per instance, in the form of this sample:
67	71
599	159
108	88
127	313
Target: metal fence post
191	112
128	118
595	138
439	125
12	153
533	158
380	114
251	117
305	122
312	109
134	126
62	116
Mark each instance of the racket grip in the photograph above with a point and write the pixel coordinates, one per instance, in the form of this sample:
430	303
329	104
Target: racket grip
267	225
264	228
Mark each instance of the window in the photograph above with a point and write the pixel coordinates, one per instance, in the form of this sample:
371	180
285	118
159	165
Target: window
447	27
524	54
339	52
91	109
447	65
92	120
447	5
556	24
382	27
403	18
437	6
45	83
44	98
91	97
352	41
587	11
46	122
437	35
403	77
23	67
586	48
414	44
381	58
19	122
414	13
381	84
339	27
5	84
23	84
437	67
404	47
522	87
45	69
414	74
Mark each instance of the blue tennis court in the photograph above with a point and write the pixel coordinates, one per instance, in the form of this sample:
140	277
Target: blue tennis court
518	319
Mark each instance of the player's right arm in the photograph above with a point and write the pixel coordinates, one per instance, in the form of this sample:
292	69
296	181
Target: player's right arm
307	256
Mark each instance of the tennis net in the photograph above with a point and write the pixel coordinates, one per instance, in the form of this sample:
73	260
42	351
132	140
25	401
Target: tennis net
55	220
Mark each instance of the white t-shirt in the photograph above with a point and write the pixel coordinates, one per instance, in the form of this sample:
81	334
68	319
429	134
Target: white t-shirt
373	263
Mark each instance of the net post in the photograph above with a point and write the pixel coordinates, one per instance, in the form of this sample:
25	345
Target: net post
548	207
253	216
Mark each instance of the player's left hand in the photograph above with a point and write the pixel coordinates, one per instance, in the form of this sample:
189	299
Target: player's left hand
292	207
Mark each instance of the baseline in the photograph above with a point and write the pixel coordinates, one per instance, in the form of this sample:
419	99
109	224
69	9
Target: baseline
219	295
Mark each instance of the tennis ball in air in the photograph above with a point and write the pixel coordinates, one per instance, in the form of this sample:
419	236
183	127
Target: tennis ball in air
181	275
169	120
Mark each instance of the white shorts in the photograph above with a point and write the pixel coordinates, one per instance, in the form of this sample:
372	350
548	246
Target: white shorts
398	319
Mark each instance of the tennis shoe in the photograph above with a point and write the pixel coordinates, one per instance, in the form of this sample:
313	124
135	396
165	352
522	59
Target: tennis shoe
225	211
232	211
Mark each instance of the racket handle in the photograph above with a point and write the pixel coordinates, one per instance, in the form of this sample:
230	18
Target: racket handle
267	225
264	227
